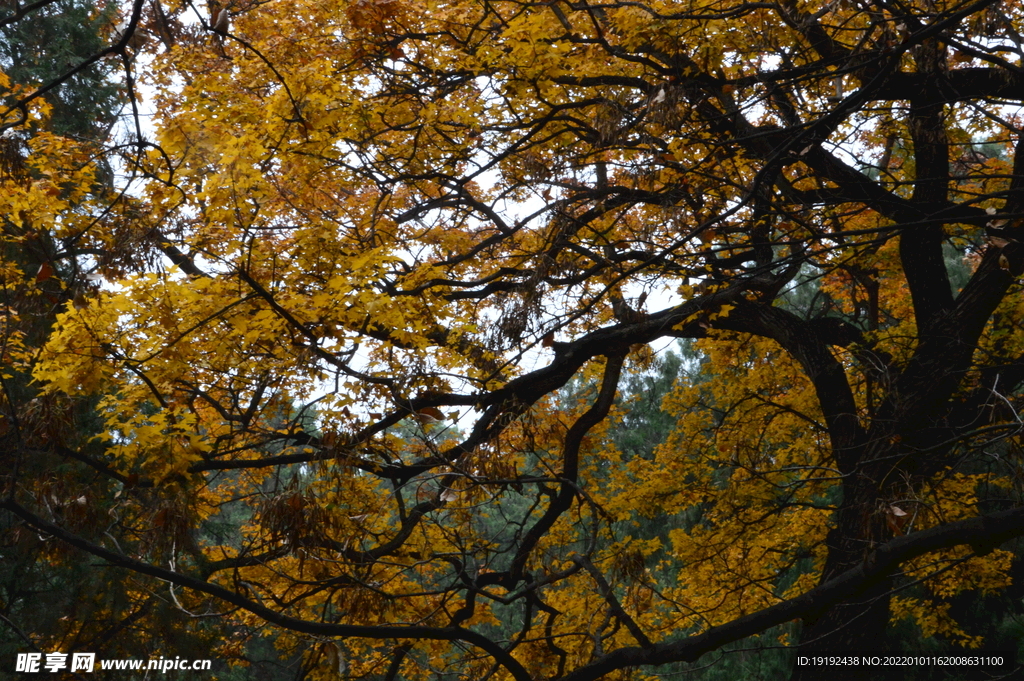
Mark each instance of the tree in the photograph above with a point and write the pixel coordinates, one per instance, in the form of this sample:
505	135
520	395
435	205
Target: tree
57	165
422	214
59	36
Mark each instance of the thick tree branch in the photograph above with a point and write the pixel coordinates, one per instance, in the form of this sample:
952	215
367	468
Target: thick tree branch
921	247
958	85
807	342
982	533
570	466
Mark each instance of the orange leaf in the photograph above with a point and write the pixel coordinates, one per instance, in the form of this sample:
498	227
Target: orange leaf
429	414
45	272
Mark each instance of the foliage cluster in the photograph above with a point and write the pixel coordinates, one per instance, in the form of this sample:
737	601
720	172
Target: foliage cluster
348	348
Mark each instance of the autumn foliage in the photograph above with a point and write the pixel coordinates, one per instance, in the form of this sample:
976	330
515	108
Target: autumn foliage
325	343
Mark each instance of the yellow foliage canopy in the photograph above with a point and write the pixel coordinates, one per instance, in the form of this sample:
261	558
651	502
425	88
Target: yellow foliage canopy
366	290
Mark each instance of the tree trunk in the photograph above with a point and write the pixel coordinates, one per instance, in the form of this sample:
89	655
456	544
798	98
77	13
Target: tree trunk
857	625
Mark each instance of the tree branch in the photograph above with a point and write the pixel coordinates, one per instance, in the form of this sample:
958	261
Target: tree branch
984	533
416	632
